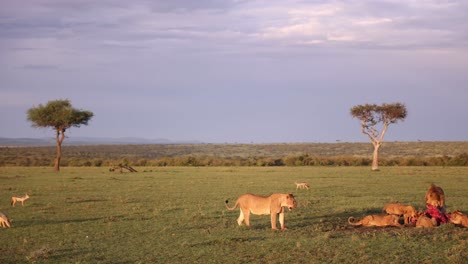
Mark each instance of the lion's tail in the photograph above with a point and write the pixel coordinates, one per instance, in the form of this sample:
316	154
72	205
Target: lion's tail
233	208
351	221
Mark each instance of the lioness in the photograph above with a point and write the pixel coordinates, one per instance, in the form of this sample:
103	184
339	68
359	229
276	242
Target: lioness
435	196
302	185
407	211
376	220
263	205
424	221
4	221
459	218
21	199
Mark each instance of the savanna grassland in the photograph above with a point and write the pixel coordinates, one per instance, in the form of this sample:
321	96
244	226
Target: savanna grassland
177	215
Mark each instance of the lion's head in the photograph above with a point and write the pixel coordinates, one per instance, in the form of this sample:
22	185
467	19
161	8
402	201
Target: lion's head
290	201
457	217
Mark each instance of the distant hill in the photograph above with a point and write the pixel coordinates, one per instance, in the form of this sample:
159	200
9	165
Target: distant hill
26	142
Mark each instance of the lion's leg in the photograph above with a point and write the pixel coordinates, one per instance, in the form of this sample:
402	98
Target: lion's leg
247	217
281	220
241	218
273	220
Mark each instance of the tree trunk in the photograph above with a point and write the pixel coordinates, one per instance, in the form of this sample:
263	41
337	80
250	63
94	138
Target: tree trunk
375	157
59	139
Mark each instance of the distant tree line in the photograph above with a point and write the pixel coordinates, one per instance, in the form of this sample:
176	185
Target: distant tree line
215	161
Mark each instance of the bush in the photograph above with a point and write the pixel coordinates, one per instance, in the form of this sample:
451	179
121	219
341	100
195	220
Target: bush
26	159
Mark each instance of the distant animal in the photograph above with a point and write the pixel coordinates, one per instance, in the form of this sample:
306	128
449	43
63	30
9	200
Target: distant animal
272	205
4	221
21	199
458	218
376	220
425	221
302	185
407	211
435	196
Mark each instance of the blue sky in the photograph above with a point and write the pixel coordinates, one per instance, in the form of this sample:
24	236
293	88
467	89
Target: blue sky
235	70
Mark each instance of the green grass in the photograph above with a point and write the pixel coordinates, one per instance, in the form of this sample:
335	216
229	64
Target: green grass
177	215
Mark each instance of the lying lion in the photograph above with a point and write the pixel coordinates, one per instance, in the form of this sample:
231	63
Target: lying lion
4	221
458	218
376	220
407	211
435	196
260	205
425	221
302	185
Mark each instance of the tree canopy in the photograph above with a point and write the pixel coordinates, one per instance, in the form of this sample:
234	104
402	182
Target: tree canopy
60	115
371	115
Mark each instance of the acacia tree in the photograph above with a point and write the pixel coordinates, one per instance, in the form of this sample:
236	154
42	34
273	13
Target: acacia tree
371	115
60	115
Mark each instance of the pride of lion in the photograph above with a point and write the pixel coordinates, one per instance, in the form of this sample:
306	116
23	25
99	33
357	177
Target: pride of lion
393	214
434	214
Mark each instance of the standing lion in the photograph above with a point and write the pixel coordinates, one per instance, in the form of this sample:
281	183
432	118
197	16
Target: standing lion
272	205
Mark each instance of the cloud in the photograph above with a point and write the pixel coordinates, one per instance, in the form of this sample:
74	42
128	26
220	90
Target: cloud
403	25
372	21
217	25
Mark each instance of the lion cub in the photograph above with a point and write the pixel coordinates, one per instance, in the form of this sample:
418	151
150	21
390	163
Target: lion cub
407	211
376	220
459	218
4	221
302	185
424	221
21	199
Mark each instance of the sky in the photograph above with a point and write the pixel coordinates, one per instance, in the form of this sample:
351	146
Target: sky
236	71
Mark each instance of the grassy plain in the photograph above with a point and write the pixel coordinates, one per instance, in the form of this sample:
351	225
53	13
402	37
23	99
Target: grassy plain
177	215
